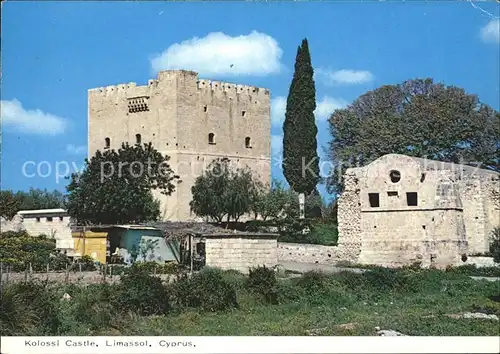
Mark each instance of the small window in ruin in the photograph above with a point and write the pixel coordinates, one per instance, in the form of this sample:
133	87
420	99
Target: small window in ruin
412	199
49	218
248	144
374	200
243	113
138	138
392	194
211	138
107	143
395	176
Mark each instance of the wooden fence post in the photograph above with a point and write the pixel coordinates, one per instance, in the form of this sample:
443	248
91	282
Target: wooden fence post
66	280
26	275
47	273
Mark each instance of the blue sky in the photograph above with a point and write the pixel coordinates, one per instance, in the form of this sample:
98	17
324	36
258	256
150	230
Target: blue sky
53	52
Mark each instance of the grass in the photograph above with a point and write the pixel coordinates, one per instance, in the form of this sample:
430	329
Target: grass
413	302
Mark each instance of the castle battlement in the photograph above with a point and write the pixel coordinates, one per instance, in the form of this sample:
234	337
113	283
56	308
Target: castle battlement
230	89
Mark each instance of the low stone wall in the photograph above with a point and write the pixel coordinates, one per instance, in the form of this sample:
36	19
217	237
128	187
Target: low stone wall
482	262
304	253
82	278
241	253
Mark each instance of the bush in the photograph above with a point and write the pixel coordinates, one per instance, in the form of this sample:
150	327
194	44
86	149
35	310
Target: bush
35	301
473	270
86	263
495	245
142	293
59	261
207	290
262	281
319	288
18	250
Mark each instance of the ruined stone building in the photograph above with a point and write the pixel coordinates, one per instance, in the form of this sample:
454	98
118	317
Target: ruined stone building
400	210
193	121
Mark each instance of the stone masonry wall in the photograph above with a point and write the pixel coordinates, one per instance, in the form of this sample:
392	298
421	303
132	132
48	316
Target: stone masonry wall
181	113
241	253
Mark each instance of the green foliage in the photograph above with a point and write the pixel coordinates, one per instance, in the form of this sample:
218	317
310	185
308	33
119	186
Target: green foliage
142	293
222	191
300	156
262	281
18	250
87	263
495	245
417	118
473	270
11	203
207	290
116	186
276	203
16	316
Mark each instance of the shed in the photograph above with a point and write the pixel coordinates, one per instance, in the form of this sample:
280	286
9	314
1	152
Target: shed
217	247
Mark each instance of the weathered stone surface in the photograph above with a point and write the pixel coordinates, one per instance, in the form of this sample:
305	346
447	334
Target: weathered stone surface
389	332
400	210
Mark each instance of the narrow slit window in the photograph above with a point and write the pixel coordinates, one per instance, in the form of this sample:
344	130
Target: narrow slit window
137	138
243	113
412	199
205	108
392	194
248	142
107	143
374	200
211	138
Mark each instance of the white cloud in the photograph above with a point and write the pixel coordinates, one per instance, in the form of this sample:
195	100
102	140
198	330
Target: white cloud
491	32
278	109
76	150
344	76
219	54
324	108
276	145
15	116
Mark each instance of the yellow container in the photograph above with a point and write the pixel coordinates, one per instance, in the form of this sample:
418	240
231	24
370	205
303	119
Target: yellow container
93	244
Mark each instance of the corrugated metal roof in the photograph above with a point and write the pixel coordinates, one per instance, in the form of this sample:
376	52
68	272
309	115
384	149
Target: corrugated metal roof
42	211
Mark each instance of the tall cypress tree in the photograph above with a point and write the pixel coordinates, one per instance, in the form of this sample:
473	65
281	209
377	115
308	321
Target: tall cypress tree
300	156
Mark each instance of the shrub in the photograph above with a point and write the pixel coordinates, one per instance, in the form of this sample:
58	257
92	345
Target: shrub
207	290
34	300
86	263
495	245
262	281
17	318
385	279
473	270
319	288
18	250
142	293
59	261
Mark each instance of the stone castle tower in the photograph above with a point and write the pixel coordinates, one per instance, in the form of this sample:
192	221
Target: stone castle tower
193	121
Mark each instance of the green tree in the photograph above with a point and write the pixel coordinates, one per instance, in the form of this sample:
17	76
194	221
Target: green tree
223	192
276	203
116	186
417	118
300	156
10	204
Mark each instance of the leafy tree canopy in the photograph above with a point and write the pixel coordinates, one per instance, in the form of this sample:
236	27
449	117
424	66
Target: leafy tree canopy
224	192
116	186
417	118
12	202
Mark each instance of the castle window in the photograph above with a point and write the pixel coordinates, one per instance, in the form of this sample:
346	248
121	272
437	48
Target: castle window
61	218
392	194
211	138
37	219
412	199
205	108
107	143
138	104
422	177
248	144
374	200
137	138
395	176
243	113
49	218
